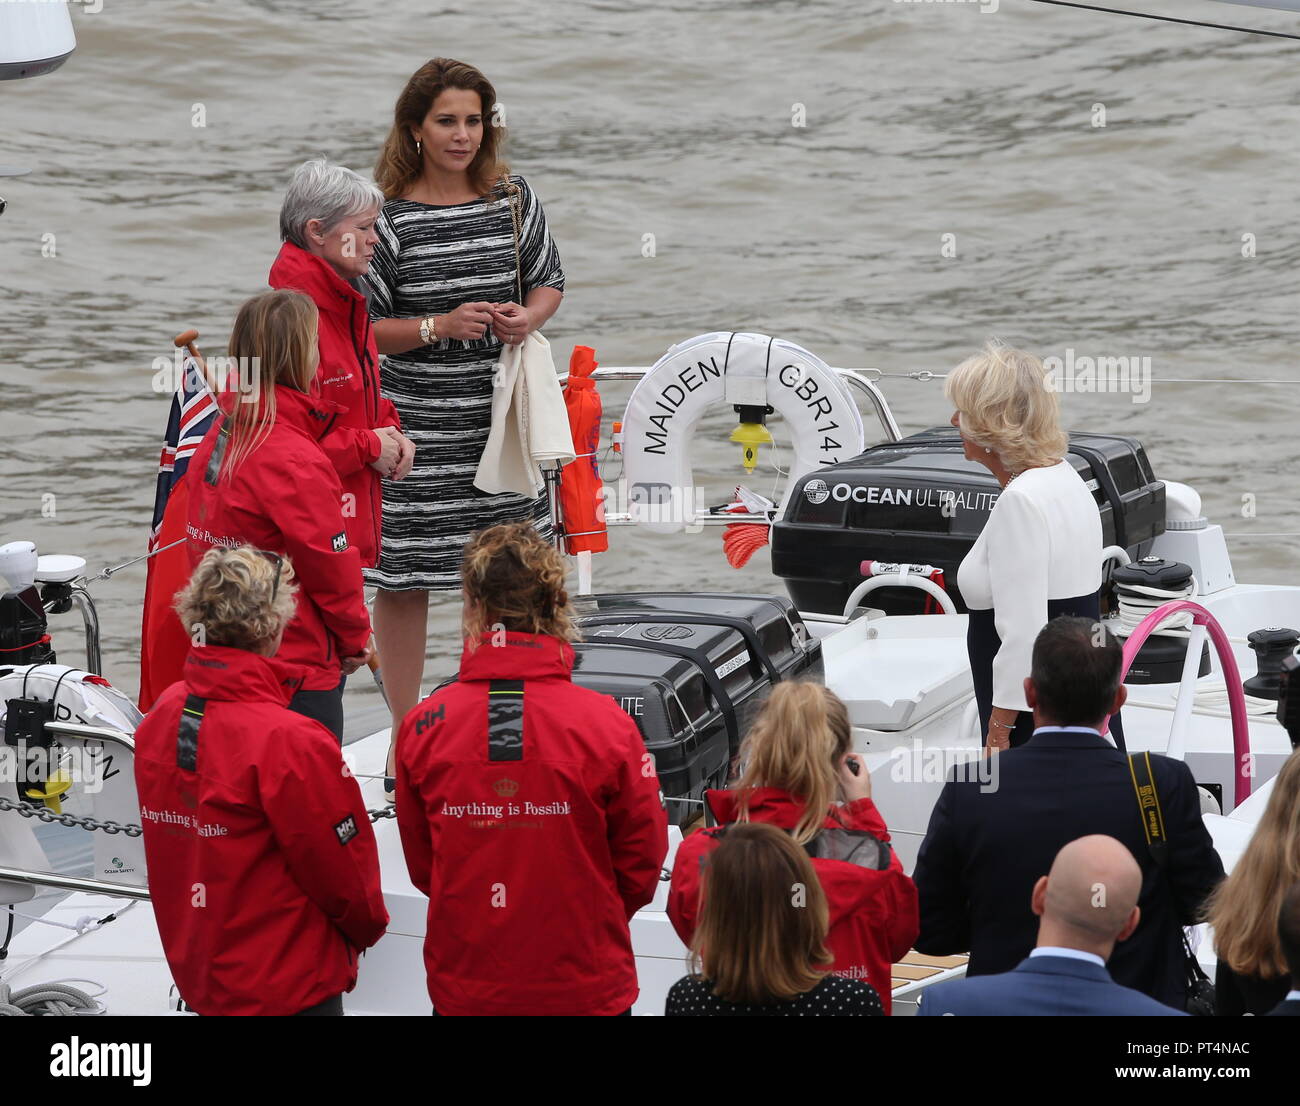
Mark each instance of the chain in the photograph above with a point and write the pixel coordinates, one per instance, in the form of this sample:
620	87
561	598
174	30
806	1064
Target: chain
45	814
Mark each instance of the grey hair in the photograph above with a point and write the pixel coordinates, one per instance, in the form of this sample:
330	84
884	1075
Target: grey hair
322	190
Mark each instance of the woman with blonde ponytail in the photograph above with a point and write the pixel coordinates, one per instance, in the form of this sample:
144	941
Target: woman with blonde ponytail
261	478
801	776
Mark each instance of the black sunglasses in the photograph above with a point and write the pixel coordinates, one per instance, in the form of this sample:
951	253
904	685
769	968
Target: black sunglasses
278	561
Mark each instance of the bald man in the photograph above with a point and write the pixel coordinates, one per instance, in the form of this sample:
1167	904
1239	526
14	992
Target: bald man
1086	904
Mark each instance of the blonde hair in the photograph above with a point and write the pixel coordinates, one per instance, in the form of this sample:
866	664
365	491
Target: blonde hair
272	342
1244	908
400	164
795	744
758	940
1005	403
514	578
229	598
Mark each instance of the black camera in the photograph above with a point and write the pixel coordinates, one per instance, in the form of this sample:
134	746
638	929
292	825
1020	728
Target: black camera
1288	700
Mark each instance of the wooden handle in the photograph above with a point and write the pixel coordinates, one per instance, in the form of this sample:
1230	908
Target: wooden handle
188	339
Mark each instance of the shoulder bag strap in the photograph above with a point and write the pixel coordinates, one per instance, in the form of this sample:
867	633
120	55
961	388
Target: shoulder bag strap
512	198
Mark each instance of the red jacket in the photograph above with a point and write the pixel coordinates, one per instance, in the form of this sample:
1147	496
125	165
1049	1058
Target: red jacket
262	863
284	498
349	376
535	854
873	912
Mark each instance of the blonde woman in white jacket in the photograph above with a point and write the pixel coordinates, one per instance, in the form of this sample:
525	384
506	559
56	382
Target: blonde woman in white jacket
1039	554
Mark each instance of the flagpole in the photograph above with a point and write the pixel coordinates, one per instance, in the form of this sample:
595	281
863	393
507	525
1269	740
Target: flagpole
188	340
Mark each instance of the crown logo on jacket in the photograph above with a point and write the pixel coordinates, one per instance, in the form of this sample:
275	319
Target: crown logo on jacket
506	788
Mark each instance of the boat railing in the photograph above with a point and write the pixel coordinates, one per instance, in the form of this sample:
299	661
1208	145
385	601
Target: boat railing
72	883
80	732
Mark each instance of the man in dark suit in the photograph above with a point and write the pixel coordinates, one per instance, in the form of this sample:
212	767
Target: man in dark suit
1288	929
1085	904
986	847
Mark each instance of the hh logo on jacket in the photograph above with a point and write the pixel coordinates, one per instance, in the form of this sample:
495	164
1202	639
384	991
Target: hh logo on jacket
340	541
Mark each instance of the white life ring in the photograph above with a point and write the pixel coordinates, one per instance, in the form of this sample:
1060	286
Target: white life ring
666	405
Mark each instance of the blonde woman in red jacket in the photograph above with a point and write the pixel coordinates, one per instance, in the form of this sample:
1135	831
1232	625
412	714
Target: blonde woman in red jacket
259	478
797	758
263	867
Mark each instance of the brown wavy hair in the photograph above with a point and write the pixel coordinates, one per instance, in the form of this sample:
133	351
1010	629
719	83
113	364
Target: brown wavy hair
399	165
795	744
763	918
512	577
1244	908
229	597
272	342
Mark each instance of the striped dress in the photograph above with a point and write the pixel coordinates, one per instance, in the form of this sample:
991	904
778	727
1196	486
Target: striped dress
428	261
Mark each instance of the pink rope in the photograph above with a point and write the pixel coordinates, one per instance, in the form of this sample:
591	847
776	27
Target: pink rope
1244	771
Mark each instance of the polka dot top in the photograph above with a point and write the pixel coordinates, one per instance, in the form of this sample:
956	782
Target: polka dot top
692	996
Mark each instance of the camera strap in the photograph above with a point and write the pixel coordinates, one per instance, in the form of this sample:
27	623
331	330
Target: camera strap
1153	818
1199	988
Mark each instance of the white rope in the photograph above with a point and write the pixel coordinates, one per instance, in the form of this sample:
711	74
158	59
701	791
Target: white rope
13	970
1214	693
46	999
84	924
1137	601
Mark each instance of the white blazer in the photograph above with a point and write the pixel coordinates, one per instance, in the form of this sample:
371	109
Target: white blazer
1042	541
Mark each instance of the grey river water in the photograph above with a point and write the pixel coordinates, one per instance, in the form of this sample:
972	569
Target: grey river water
798	164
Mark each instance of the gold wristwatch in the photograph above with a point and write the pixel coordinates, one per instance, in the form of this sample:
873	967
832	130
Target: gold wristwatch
429	329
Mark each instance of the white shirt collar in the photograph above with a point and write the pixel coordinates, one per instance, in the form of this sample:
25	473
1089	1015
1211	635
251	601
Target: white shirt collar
1293	996
1069	954
1068	729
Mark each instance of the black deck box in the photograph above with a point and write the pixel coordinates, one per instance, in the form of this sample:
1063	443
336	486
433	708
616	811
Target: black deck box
896	501
692	670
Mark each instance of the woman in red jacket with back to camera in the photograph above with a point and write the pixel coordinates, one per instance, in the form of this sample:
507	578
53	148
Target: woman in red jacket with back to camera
262	864
529	810
327	226
796	758
259	478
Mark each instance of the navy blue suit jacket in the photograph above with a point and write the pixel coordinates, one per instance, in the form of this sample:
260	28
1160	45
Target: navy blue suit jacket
986	847
1286	1009
1042	986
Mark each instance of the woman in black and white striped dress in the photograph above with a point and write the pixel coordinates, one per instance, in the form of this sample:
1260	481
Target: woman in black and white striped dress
445	294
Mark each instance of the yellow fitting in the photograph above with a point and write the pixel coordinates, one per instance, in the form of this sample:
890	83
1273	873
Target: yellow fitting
751	435
55	787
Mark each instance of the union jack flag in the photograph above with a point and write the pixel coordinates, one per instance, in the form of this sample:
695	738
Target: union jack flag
193	408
